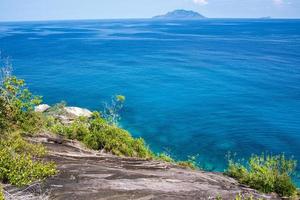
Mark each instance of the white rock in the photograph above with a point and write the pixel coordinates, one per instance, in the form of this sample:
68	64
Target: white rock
78	112
41	108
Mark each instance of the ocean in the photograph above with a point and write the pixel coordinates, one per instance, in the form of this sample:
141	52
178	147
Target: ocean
203	88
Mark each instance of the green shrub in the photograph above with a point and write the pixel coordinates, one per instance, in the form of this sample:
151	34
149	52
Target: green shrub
265	173
20	164
21	169
32	123
79	128
97	134
18	145
17	107
117	141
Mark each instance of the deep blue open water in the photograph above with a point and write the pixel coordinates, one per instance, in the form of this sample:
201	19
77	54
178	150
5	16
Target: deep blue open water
192	87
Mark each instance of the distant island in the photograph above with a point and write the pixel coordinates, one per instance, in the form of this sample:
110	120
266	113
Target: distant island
180	14
267	17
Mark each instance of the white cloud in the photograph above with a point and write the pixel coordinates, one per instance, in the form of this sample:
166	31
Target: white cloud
202	2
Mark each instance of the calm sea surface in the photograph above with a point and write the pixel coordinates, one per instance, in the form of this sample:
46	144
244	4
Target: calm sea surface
192	87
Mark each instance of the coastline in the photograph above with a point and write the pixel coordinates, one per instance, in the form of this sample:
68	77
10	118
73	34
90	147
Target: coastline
87	174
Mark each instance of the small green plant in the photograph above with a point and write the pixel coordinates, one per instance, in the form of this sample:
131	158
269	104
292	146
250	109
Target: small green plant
164	157
1	193
240	197
266	173
187	164
20	162
111	111
190	163
219	197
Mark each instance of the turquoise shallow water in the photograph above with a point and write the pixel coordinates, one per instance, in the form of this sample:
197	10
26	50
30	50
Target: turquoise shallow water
193	87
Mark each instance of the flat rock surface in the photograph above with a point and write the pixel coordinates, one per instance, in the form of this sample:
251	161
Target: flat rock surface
88	175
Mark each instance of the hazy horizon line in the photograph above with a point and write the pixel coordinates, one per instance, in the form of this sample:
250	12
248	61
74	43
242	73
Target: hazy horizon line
149	18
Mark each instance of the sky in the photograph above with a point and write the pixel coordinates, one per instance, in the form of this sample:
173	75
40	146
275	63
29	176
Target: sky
24	10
